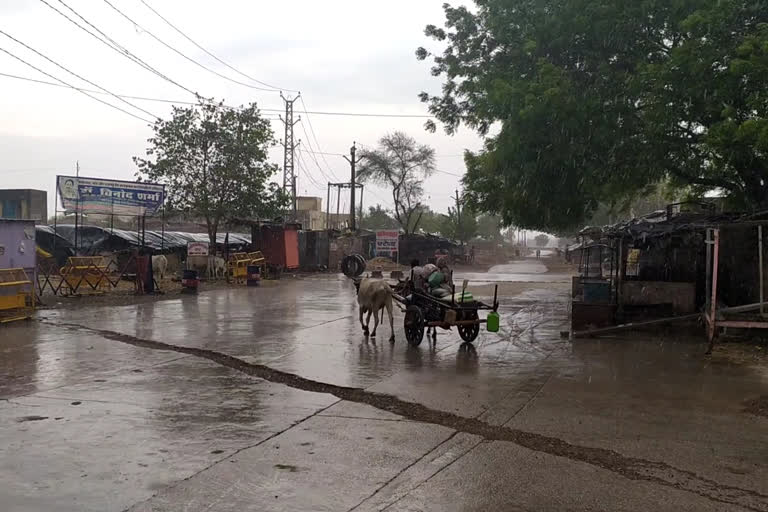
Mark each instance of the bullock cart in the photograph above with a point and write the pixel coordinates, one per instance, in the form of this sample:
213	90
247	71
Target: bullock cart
458	309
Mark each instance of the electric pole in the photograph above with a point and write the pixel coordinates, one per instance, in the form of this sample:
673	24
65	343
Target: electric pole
458	218
352	208
289	172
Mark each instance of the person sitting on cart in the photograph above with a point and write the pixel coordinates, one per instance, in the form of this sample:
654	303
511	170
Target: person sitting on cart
417	274
442	266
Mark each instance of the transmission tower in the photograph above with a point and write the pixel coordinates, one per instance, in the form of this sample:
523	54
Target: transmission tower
289	172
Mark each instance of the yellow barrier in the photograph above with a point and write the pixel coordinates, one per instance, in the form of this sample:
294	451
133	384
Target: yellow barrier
85	270
17	299
238	266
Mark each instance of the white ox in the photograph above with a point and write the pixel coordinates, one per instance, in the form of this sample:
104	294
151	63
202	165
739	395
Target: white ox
373	295
217	267
159	266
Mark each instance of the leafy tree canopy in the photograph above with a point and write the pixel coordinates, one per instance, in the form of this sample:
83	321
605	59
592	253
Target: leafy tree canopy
459	225
586	102
431	222
489	227
541	240
378	218
214	161
401	164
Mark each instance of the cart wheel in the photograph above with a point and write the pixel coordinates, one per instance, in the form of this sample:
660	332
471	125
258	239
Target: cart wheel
469	332
414	325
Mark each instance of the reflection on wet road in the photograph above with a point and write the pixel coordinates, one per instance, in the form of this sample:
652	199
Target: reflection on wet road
522	271
122	422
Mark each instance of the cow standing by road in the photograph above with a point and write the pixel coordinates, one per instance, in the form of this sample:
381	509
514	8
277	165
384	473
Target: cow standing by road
373	295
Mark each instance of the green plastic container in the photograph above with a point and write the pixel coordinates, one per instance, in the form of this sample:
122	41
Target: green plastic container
493	322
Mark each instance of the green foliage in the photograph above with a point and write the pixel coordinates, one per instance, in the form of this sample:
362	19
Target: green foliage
541	240
400	163
431	222
378	218
652	198
591	102
213	160
489	227
459	225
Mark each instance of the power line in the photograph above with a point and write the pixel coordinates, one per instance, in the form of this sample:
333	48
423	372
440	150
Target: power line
449	173
142	98
76	75
320	153
114	45
73	87
184	102
303	167
174	27
314	158
366	114
178	52
317	142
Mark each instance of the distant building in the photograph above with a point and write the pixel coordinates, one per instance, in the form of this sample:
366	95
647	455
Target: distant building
24	204
340	221
310	214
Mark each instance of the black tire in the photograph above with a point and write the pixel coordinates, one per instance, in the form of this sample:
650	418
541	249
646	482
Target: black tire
470	332
414	325
353	266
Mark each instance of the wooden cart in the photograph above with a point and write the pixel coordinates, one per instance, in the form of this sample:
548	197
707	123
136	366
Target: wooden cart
422	310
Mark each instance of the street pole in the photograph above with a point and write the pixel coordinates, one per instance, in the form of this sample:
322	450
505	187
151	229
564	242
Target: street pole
458	218
362	189
77	203
289	171
352	182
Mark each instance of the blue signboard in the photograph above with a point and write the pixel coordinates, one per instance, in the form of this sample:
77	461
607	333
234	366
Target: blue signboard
95	195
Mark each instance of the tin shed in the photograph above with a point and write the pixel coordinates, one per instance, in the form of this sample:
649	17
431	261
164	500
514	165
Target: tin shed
279	243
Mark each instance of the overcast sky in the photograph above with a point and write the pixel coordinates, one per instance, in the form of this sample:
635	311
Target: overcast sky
343	55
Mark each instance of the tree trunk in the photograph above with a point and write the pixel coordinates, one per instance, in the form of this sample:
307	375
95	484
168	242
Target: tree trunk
213	227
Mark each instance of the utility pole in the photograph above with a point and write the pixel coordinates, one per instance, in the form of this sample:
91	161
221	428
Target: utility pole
352	162
289	172
458	218
77	203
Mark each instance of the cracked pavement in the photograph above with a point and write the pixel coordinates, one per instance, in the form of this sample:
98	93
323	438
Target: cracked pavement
271	399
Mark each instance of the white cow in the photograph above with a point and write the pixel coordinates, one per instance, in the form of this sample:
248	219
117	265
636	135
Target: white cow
217	267
199	264
373	295
159	266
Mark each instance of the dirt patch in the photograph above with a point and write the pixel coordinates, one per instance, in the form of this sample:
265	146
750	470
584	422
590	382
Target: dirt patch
758	406
740	353
24	419
629	467
287	467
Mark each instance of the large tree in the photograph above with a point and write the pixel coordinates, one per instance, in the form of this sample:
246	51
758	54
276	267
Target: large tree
489	227
541	240
401	164
459	224
587	102
213	160
377	218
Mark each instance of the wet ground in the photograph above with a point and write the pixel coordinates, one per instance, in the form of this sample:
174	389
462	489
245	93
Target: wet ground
271	399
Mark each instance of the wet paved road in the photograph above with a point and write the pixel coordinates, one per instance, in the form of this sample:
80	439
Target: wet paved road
91	421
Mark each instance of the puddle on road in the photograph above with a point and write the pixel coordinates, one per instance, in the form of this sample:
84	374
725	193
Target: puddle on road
489	278
522	271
